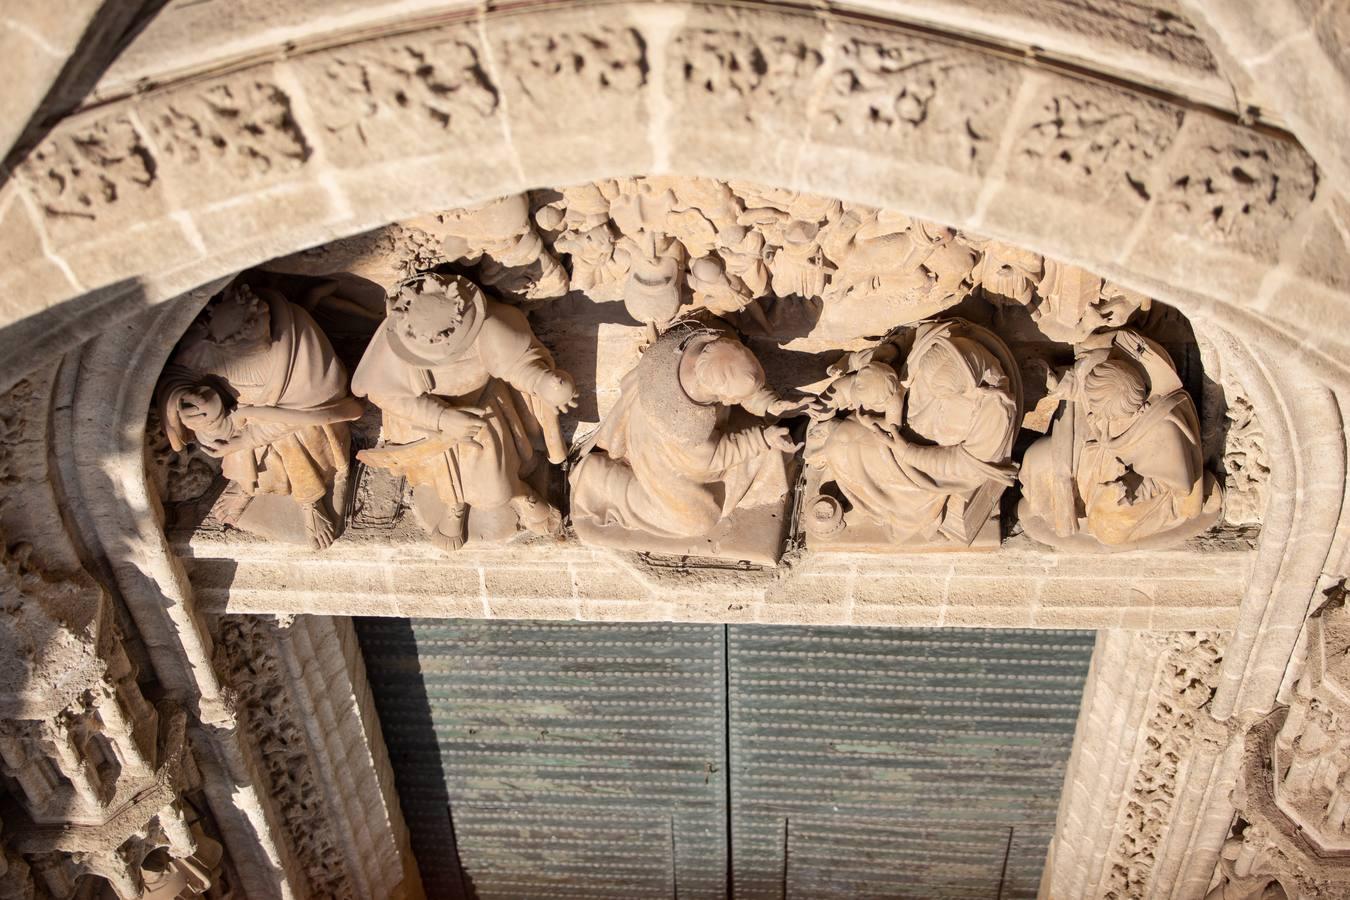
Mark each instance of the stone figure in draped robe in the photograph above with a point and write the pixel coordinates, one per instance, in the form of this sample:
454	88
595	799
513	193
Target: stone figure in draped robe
1122	466
686	445
470	399
501	238
922	454
256	383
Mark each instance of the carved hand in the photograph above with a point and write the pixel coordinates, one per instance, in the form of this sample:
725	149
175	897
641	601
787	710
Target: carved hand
202	409
225	439
777	437
889	432
559	391
463	423
789	408
821	409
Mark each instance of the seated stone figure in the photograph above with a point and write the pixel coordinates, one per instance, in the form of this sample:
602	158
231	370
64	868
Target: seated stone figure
257	385
1121	467
924	453
469	395
668	462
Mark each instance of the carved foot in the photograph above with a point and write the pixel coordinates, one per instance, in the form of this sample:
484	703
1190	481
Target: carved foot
537	516
319	525
449	533
230	505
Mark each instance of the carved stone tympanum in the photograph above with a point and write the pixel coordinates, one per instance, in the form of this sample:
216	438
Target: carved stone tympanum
1122	466
256	383
685	462
918	442
947	344
470	399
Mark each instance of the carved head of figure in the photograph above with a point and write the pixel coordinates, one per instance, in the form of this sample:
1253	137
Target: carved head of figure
953	383
873	387
435	318
722	370
238	318
1114	392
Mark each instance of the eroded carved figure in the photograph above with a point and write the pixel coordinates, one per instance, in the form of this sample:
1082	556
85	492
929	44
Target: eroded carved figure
500	237
1310	759
256	383
469	396
923	452
1122	466
1243	873
685	447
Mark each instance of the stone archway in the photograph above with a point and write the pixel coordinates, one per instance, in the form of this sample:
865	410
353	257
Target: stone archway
157	192
146	196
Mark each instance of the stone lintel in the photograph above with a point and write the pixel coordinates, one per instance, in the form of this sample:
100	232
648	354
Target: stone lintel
1018	586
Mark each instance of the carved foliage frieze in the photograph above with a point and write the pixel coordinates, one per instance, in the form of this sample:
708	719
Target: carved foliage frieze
247	654
1187	677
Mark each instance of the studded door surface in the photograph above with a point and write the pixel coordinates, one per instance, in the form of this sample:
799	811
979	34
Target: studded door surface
898	763
547	760
558	760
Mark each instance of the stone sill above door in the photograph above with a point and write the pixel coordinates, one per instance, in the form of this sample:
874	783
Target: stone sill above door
1020	585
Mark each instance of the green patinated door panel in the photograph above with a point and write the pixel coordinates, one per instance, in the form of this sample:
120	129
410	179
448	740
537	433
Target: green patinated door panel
898	763
558	760
542	760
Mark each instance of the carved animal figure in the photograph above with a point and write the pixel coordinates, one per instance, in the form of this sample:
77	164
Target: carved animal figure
256	383
469	395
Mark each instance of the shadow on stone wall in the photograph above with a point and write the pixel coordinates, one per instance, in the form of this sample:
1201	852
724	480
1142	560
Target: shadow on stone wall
390	649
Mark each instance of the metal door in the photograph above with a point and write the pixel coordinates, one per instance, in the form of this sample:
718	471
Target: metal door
557	760
540	759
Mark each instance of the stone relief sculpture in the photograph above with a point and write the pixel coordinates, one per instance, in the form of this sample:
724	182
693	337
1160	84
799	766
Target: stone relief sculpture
1122	465
1310	758
913	430
501	239
918	443
470	399
256	383
687	449
97	769
892	270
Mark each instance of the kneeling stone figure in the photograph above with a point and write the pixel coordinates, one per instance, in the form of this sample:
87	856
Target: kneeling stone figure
1122	466
256	383
469	395
667	461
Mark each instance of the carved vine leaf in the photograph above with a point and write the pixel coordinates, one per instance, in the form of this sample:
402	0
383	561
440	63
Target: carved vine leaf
1239	188
1188	676
246	652
246	128
81	174
1092	138
1245	461
755	72
432	88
